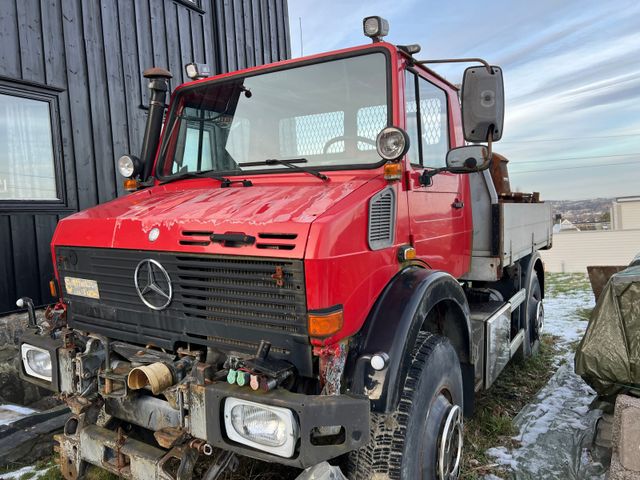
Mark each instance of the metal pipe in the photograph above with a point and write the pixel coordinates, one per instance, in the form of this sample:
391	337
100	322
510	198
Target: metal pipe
158	86
157	375
457	60
27	302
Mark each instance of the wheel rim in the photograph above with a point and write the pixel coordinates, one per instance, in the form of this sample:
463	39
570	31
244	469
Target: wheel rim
539	318
535	312
450	443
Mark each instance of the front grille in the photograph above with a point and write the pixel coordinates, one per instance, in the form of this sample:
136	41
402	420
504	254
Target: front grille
229	302
242	292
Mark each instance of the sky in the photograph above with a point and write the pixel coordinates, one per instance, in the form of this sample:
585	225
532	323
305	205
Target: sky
571	71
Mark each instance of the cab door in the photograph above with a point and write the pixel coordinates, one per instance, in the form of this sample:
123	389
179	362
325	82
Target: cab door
436	209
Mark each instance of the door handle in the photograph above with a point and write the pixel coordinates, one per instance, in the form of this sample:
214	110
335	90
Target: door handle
457	204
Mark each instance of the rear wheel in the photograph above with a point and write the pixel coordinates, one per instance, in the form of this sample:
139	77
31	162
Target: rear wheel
534	318
422	438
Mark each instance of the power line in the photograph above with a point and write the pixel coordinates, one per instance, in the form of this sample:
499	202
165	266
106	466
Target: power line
574	167
536	140
515	163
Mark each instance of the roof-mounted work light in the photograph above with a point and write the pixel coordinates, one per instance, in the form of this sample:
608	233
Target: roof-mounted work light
375	28
196	71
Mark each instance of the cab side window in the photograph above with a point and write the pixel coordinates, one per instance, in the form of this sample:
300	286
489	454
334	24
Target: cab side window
427	122
434	130
411	112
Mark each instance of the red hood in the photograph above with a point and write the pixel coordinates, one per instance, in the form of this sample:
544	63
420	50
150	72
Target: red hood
268	208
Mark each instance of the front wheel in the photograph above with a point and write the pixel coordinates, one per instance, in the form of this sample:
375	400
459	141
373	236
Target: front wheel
422	438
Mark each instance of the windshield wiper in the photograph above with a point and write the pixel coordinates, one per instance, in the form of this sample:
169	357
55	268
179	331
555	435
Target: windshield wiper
224	181
291	163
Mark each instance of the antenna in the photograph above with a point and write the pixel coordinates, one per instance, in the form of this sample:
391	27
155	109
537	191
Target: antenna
301	44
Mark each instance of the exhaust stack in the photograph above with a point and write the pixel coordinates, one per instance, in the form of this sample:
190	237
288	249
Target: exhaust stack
158	85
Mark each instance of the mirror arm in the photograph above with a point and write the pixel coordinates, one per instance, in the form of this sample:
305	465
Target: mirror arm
427	175
457	60
487	163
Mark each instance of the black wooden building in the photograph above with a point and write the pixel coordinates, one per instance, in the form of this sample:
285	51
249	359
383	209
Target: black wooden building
72	101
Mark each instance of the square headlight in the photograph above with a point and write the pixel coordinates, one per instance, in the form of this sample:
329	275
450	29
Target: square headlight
271	429
36	362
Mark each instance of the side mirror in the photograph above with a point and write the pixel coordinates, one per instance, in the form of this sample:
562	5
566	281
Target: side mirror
471	158
482	104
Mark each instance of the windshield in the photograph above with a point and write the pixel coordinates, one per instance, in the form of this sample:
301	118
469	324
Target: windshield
326	115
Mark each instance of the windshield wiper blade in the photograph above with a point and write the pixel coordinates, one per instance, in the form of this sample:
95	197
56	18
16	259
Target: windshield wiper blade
291	163
224	181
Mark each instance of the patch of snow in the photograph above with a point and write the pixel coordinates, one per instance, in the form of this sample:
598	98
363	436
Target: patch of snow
16	474
557	425
10	413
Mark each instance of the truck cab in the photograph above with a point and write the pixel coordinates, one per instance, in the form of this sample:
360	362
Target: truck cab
309	249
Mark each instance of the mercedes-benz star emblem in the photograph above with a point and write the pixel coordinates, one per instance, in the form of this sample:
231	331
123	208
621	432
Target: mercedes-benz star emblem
153	284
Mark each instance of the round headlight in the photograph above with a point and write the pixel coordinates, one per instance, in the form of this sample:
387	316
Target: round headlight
392	143
128	166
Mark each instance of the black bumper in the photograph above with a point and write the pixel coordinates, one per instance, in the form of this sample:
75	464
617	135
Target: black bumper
312	411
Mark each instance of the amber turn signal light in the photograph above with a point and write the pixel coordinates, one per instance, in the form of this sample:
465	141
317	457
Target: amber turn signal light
325	324
393	171
52	288
130	184
406	253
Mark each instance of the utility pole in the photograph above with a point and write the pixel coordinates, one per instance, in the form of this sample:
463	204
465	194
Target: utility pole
301	46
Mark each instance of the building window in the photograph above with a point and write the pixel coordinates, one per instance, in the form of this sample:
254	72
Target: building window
28	160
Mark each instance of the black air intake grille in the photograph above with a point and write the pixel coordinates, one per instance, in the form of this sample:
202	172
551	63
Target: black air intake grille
243	292
230	302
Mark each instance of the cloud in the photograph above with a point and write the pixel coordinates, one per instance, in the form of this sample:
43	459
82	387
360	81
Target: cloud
572	70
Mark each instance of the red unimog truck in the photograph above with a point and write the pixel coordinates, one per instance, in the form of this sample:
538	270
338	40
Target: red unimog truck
312	265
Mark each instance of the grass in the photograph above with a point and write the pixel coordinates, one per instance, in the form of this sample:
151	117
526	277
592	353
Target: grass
52	473
95	473
45	469
562	283
584	313
492	423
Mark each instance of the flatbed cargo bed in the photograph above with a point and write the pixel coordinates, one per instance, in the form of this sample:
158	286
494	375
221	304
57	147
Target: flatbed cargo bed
514	230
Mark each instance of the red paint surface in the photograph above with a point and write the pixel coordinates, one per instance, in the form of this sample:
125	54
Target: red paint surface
329	218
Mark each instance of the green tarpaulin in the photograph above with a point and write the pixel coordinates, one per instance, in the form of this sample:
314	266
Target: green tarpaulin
608	357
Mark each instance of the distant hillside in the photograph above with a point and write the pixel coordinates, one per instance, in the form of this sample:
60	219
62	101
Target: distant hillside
583	211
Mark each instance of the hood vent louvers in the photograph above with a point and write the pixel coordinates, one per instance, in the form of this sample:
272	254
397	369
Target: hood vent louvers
266	240
200	238
270	237
382	219
278	236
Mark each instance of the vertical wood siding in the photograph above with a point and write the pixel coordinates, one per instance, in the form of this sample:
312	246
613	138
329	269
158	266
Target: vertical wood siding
91	54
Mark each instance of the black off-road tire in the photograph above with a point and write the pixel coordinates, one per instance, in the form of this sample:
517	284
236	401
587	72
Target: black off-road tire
406	444
534	319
